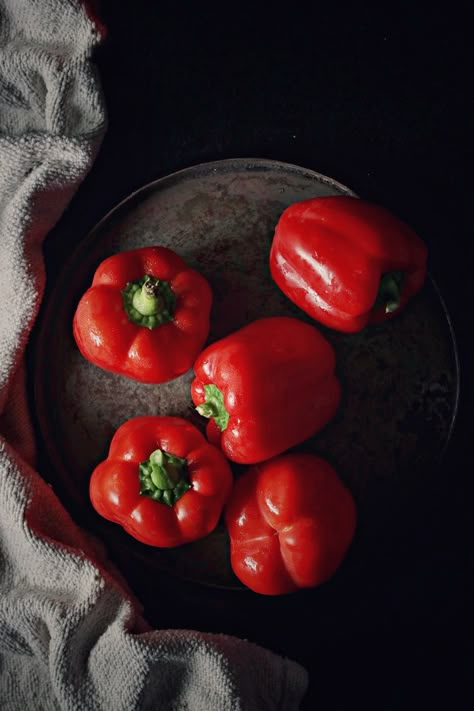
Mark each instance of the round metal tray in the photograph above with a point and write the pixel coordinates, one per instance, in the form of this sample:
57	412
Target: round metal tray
400	379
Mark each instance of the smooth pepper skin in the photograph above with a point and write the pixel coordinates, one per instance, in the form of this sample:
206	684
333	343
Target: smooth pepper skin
106	335
329	255
276	377
291	521
115	485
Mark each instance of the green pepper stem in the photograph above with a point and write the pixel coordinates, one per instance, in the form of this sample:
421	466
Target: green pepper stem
389	292
208	409
213	406
149	301
163	477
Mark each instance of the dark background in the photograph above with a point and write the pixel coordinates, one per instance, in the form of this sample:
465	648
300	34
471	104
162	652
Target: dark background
381	100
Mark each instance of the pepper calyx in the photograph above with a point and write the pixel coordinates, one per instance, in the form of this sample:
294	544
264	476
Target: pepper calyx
149	301
163	477
213	406
389	291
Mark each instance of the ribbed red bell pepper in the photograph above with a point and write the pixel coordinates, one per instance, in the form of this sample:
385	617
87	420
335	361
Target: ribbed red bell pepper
266	387
291	521
145	316
346	262
161	481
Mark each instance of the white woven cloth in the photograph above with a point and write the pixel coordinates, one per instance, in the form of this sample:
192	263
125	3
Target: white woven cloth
70	635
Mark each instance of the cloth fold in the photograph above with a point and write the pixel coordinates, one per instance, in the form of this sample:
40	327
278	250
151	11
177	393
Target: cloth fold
71	635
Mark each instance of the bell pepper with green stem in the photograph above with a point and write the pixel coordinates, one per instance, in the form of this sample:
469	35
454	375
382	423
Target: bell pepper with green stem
290	521
161	481
266	387
346	262
145	316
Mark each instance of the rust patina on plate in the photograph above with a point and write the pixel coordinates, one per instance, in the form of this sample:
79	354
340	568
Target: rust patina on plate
400	380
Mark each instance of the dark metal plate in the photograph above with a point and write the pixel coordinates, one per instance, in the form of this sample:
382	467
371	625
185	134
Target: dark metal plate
400	380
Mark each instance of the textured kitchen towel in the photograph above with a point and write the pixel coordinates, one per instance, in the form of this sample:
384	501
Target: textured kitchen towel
71	637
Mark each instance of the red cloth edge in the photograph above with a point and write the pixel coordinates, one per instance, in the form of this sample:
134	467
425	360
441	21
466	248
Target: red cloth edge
93	12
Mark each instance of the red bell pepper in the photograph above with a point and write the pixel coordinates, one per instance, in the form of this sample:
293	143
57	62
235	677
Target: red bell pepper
291	521
145	316
161	481
266	387
346	262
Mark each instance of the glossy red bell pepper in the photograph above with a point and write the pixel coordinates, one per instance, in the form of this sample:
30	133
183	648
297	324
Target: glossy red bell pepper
346	262
291	521
161	481
266	387
145	316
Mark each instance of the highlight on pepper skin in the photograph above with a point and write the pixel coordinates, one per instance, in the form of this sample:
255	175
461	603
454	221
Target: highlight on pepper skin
346	262
291	522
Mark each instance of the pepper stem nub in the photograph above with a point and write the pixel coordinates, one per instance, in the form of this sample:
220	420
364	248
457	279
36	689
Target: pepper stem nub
163	477
213	406
389	293
149	301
